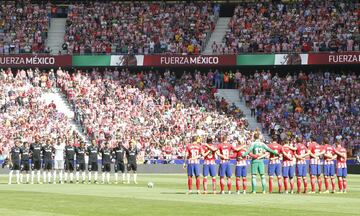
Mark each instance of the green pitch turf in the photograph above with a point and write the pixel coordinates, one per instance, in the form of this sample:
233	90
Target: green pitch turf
167	198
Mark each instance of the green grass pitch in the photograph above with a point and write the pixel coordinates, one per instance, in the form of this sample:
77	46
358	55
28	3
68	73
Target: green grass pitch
167	198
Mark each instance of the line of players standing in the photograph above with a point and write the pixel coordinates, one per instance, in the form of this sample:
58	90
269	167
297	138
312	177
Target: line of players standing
30	158
285	162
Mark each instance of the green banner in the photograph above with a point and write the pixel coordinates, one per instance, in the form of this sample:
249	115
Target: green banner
266	59
98	60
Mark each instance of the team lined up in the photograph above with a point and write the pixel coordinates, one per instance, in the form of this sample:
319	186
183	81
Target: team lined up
27	159
286	161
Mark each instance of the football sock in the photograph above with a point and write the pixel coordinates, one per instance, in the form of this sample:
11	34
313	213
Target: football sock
244	183
103	177
128	177
332	183
190	183
17	176
197	183
71	176
32	176
279	183
205	183
229	184
270	184
222	183
83	175
123	177
319	182
344	184
292	184
108	177
66	176
286	183
21	177
305	184
253	183
49	176
89	176
237	183
77	176
27	177
116	177
54	176
96	176
313	183
38	176
214	183
299	184
44	176
10	176
263	182
326	180
340	183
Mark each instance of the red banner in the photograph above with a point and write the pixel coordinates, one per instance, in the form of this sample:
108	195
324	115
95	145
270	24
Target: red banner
35	60
334	58
189	60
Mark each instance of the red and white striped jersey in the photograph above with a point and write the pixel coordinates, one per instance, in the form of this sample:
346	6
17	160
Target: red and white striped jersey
315	148
289	159
301	150
193	151
278	148
340	161
225	150
210	158
329	153
240	161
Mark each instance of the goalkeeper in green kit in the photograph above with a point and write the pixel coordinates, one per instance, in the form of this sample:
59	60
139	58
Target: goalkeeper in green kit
258	152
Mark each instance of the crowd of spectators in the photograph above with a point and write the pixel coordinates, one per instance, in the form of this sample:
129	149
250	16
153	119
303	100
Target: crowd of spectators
138	27
316	105
23	26
161	113
300	26
24	115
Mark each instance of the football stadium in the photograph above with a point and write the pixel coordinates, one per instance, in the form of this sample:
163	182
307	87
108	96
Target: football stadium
248	107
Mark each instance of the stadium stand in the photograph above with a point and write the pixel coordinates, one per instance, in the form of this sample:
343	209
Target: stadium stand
306	26
138	28
320	105
155	110
23	27
24	115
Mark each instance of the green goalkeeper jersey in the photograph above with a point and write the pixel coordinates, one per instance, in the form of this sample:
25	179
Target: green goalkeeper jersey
257	148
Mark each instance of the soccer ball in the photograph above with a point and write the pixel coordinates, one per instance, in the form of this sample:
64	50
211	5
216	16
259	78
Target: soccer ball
150	185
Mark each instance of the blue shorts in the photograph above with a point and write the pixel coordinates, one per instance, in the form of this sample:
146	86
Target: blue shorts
315	169
288	171
225	169
209	168
193	169
301	170
274	169
240	171
329	170
342	172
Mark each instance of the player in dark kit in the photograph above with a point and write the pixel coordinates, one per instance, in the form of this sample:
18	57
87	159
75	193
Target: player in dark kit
119	154
69	161
93	152
35	155
15	162
106	163
47	152
131	154
80	162
25	162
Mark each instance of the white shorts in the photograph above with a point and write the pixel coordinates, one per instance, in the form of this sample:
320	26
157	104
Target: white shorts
59	164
